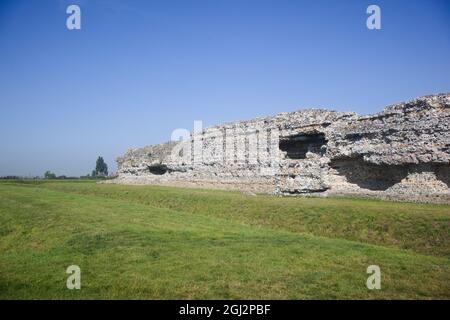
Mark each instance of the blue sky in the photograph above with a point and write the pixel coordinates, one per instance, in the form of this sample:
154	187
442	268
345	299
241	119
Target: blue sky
139	69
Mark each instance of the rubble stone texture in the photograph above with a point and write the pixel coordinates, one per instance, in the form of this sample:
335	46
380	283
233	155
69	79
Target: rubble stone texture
402	153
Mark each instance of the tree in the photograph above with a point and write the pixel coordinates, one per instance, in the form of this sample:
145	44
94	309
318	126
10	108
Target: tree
101	168
49	175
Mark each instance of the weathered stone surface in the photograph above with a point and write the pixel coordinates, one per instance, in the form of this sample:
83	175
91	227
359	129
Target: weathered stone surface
402	153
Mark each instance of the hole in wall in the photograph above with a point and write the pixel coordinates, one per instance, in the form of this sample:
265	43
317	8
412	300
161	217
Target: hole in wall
443	174
369	176
158	169
296	146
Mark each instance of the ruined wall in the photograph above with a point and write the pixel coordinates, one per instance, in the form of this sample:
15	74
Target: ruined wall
401	153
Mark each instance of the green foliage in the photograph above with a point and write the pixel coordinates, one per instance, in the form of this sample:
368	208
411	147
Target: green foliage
101	168
159	242
49	175
10	177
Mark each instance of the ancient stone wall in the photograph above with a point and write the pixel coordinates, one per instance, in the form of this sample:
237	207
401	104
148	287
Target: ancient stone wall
402	153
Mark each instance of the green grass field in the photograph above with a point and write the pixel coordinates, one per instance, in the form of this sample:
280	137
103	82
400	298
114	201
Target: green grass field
149	242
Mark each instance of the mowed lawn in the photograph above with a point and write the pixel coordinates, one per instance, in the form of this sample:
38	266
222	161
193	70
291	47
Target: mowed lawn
151	242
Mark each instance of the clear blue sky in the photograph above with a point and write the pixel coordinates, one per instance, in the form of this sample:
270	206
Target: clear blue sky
139	69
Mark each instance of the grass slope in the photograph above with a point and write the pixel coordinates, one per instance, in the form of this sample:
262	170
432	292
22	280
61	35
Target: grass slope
160	242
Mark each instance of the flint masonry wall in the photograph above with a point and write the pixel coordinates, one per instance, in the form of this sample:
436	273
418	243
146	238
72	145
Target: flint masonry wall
402	153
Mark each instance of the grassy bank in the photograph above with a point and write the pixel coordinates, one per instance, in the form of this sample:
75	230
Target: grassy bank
161	242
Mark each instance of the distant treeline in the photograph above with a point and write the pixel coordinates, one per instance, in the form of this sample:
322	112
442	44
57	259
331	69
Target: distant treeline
17	178
56	178
99	173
